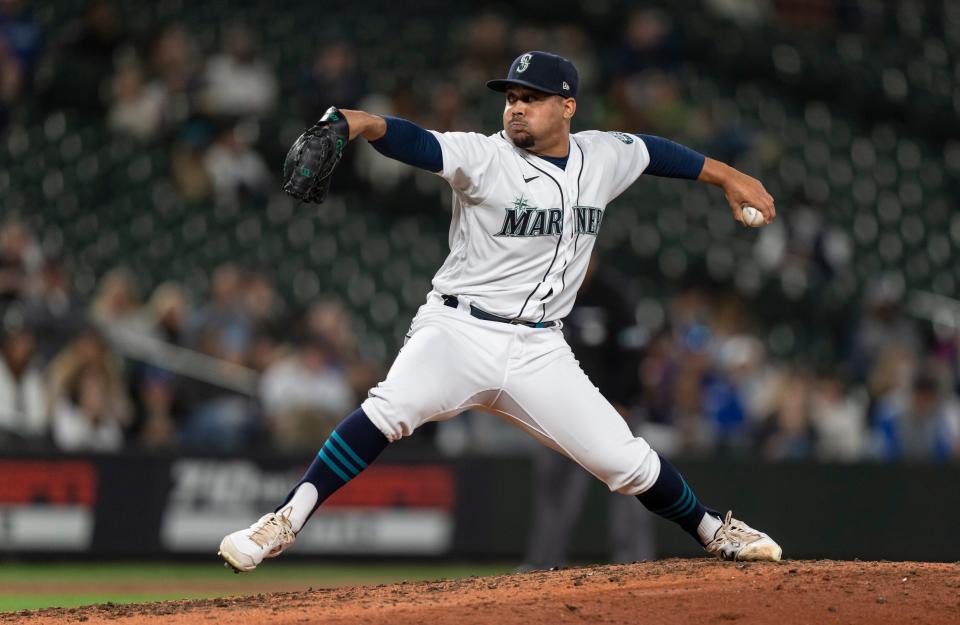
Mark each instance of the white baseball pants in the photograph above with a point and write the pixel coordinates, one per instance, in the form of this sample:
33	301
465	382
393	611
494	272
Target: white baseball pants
453	361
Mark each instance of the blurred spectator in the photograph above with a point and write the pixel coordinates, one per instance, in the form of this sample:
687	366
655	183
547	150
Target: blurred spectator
330	321
23	395
597	330
656	373
333	78
572	41
235	169
86	417
487	50
157	399
215	417
745	362
787	434
52	309
265	349
802	250
116	309
21	34
726	408
711	410
218	417
84	60
167	312
386	174
236	82
208	415
838	419
651	103
261	300
90	405
882	325
159	406
447	110
137	108
116	299
686	399
926	428
174	60
20	261
650	41
305	395
186	161
819	14
889	386
11	82
223	323
744	14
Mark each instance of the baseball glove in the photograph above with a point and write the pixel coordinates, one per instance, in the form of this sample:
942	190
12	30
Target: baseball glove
313	157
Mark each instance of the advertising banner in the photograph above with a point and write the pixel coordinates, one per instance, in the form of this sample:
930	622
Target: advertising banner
387	510
47	505
143	505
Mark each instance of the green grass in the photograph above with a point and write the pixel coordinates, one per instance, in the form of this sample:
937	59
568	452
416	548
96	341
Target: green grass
32	586
35	602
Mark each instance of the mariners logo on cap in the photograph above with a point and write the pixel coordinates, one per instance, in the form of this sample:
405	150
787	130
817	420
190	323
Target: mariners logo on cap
524	63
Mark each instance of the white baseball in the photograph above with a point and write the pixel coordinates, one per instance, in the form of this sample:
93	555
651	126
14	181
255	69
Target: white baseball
752	217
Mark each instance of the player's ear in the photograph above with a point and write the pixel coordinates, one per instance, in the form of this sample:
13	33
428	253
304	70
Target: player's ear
569	108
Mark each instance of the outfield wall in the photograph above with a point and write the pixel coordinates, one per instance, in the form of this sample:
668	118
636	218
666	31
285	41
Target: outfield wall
135	505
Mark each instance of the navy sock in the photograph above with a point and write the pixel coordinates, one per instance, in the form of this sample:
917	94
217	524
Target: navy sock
671	498
352	446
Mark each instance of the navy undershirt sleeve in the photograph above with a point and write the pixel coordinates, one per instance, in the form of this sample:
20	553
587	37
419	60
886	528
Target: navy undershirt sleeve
671	160
410	144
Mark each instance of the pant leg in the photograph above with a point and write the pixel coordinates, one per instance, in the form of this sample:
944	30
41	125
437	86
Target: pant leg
550	395
559	491
450	362
632	537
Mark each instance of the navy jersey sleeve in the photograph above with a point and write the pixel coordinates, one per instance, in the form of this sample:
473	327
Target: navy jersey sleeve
671	160
408	143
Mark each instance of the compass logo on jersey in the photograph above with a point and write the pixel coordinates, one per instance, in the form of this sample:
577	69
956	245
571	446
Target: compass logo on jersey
622	136
523	220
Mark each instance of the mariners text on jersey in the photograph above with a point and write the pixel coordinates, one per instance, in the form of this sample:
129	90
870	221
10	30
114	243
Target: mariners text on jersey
523	220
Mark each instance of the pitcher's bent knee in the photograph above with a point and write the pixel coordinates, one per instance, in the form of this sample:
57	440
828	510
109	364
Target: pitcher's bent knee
638	467
393	420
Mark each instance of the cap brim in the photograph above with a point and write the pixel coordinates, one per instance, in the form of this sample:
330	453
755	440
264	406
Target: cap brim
502	84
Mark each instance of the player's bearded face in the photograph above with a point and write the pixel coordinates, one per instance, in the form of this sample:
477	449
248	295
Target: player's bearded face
532	117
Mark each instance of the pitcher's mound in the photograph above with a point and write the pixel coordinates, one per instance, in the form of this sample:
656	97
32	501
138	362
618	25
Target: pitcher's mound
661	593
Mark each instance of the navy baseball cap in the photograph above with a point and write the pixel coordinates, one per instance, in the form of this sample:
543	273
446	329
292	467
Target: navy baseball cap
542	71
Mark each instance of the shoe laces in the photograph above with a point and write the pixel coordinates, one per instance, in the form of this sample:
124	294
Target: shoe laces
734	532
275	528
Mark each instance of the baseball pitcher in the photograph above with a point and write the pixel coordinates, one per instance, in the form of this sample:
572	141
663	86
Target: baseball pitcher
528	203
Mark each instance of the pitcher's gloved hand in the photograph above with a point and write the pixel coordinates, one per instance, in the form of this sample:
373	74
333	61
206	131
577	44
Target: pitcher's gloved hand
313	157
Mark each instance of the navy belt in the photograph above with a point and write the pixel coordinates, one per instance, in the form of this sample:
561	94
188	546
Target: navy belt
453	302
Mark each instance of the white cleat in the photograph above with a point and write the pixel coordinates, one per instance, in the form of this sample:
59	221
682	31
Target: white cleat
735	540
267	538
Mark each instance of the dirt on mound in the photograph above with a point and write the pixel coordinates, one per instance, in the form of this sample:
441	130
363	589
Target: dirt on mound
664	593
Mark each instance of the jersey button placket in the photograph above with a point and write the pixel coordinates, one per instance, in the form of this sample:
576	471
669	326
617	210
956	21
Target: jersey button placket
567	236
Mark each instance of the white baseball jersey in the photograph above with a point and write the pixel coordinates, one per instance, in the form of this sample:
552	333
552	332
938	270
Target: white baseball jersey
523	229
520	241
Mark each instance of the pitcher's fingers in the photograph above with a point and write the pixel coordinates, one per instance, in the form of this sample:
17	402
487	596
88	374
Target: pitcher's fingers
766	209
773	207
